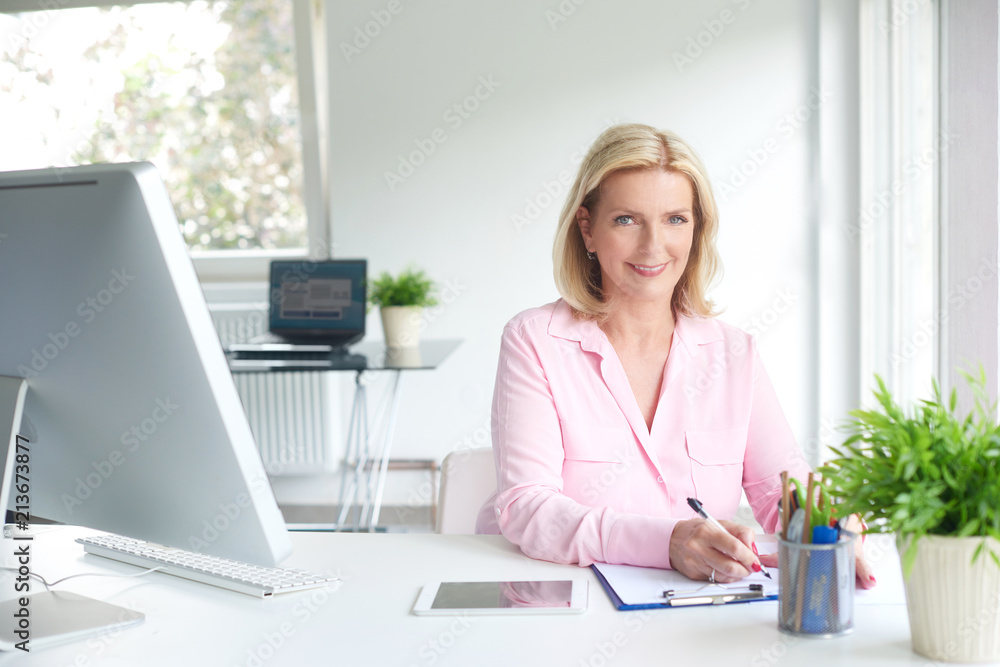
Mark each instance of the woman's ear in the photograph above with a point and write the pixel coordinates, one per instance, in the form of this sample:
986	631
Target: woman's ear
583	221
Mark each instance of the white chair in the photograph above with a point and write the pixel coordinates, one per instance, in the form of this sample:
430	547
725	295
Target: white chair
468	478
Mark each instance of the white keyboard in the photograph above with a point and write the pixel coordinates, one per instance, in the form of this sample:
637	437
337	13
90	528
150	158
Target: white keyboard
233	575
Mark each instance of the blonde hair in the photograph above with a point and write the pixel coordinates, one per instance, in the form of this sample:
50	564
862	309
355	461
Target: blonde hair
636	147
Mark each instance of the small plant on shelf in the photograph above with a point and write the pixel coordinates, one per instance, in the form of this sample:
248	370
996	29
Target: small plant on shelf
401	300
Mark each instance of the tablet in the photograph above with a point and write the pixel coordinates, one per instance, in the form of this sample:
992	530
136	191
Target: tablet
449	598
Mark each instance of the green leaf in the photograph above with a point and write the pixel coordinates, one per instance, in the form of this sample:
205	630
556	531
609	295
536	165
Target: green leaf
411	287
924	470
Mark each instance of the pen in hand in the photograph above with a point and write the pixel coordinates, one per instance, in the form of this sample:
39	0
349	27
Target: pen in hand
700	509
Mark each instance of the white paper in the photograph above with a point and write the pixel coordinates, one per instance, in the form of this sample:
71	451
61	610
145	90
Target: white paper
645	585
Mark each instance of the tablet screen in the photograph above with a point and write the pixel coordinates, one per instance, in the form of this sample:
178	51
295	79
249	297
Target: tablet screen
502	594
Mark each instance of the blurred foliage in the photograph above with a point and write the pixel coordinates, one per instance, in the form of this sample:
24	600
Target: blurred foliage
223	130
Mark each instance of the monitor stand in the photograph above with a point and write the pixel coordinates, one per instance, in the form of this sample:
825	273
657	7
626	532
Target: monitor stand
52	616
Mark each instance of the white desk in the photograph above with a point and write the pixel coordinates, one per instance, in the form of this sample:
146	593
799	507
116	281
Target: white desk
367	620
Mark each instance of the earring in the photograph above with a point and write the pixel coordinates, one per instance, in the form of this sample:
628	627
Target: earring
591	256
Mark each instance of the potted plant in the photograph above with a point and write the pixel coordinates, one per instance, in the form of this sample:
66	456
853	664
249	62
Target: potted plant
401	300
932	477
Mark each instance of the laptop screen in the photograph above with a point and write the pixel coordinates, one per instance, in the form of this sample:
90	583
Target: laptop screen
319	299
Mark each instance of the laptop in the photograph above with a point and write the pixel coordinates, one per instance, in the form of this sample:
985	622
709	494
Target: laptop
315	306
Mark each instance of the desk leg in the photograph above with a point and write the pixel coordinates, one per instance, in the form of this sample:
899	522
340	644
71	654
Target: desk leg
358	451
386	447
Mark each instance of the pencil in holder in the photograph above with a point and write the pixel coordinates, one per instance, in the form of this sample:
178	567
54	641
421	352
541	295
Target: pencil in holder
816	588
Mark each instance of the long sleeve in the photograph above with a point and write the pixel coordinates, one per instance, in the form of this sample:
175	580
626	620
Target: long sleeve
532	510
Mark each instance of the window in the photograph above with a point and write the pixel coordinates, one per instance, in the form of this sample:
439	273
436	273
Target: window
206	90
899	220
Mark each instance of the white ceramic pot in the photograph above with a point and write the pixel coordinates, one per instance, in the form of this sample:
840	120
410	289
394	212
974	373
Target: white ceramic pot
953	603
401	325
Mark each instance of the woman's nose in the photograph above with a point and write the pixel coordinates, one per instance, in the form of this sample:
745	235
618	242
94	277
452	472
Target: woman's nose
651	238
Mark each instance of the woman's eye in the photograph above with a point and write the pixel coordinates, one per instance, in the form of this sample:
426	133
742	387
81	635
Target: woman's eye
624	220
677	220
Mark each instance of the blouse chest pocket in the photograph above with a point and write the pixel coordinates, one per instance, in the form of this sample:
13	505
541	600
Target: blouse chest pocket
599	464
717	467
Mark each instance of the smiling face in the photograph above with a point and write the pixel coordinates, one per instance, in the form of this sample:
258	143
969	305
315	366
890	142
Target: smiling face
641	230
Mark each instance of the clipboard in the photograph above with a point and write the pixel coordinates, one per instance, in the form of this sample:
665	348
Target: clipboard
631	587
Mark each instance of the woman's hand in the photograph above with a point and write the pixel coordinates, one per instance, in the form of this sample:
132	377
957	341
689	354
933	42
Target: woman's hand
862	570
697	549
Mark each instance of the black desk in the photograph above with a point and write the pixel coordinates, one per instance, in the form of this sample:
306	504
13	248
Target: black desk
368	440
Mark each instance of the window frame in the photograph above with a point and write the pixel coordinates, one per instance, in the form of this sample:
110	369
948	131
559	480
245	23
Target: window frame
892	40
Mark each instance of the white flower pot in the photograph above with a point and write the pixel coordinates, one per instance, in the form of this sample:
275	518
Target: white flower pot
953	603
401	325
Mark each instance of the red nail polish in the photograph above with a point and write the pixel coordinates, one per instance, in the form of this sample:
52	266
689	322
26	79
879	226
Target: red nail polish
754	546
756	567
872	579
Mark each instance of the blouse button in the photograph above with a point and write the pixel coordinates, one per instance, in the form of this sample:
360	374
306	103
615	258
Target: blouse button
659	480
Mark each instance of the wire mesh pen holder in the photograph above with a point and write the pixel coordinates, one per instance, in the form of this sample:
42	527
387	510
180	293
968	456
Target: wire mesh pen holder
816	594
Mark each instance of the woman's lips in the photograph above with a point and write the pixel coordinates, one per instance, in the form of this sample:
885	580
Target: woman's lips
648	271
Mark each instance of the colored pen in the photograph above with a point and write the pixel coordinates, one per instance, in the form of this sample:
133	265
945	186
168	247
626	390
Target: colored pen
703	513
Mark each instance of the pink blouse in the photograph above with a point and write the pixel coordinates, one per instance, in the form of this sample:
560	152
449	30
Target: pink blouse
581	479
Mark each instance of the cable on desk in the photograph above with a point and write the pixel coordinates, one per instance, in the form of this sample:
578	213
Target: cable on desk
48	586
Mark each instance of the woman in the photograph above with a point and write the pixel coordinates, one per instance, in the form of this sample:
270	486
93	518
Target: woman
619	401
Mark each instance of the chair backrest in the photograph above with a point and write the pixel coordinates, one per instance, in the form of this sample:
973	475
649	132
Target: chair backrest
468	479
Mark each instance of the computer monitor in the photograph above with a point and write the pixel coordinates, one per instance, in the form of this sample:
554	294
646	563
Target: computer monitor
133	419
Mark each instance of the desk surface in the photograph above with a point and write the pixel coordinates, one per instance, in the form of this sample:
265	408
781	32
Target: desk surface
367	619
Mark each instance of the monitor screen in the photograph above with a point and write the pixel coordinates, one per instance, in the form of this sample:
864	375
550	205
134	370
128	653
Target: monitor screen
134	420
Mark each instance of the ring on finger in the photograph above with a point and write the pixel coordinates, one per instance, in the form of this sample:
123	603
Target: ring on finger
711	577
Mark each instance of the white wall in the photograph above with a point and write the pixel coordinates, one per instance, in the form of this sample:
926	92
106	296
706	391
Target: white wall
969	243
560	73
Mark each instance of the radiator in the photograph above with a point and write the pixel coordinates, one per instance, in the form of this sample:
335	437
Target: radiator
291	414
